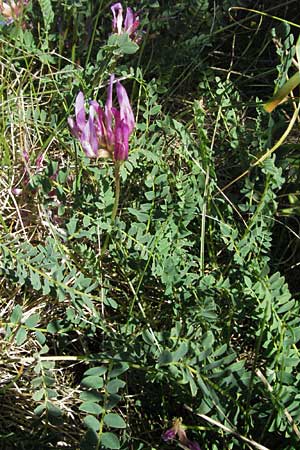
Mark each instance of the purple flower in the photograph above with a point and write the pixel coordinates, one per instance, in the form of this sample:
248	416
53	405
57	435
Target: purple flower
178	430
129	25
105	133
169	435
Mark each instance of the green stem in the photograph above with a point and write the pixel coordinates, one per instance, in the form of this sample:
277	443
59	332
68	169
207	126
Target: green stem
116	204
93	34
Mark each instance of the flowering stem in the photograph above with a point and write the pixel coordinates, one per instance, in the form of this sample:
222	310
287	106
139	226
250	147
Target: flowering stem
116	204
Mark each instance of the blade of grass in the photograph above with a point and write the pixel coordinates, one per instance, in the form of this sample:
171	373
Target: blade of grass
284	91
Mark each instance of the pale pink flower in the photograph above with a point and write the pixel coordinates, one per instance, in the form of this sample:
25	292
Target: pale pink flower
11	9
128	25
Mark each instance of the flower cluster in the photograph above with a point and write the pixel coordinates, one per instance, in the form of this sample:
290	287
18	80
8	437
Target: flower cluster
105	133
11	9
129	25
178	430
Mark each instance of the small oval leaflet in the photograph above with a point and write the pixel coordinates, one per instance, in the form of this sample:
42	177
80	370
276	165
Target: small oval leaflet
110	440
91	408
93	382
92	423
114	421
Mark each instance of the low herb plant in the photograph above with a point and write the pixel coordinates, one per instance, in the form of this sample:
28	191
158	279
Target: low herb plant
141	303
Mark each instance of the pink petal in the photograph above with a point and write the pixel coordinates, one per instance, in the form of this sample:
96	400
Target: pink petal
89	139
17	191
129	19
97	108
39	161
98	117
80	111
169	435
121	141
182	435
117	11
73	127
108	111
131	22
126	113
25	155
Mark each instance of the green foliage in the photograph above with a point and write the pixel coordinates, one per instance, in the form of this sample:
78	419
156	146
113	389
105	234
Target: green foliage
178	306
48	14
122	44
99	406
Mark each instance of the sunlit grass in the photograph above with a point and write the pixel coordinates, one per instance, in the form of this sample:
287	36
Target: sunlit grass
116	317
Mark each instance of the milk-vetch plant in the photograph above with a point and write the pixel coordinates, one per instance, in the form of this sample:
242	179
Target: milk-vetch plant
188	315
105	133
